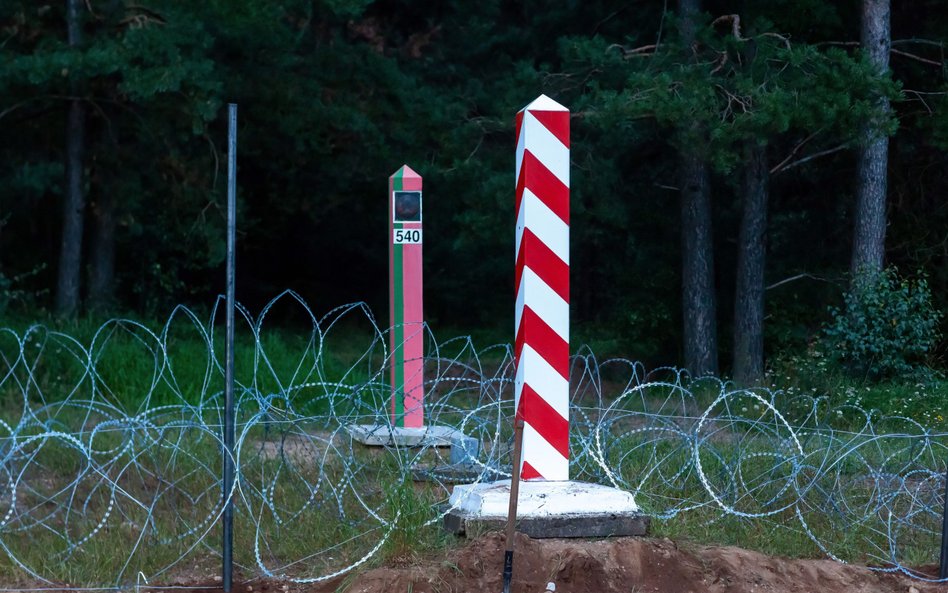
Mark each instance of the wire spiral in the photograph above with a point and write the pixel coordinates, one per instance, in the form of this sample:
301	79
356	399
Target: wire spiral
112	451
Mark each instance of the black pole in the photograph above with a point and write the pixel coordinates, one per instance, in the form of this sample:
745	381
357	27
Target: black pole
512	505
229	428
943	564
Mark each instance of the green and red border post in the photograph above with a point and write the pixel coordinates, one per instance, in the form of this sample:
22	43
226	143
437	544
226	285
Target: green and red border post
406	298
405	426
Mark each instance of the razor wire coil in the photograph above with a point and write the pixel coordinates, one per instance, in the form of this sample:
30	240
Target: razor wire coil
82	461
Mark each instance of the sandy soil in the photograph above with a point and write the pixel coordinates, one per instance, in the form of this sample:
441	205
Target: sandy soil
627	565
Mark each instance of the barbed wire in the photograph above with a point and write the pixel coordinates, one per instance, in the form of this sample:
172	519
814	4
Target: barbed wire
111	452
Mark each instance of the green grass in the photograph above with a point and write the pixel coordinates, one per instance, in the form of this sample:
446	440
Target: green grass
923	399
315	532
856	536
153	365
311	533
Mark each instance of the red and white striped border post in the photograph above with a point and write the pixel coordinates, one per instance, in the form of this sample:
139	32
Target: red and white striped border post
542	287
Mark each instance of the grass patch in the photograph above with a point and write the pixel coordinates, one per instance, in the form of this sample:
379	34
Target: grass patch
309	504
923	399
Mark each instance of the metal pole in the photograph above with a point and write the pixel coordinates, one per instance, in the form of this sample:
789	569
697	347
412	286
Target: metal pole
229	428
512	506
943	564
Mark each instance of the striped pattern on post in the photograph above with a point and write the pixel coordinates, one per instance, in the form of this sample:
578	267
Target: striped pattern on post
406	307
542	288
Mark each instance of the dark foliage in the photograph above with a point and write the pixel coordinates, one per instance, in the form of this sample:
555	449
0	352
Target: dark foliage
335	95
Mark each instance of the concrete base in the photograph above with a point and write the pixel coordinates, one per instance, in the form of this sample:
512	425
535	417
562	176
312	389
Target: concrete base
547	509
385	435
456	473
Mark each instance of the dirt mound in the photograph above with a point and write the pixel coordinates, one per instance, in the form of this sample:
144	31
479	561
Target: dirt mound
626	564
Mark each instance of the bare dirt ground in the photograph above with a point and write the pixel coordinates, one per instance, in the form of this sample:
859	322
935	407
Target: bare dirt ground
627	565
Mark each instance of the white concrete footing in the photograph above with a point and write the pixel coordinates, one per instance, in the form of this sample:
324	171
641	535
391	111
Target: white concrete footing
386	435
548	509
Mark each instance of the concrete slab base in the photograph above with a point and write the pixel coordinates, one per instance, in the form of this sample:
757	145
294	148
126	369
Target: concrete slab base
547	509
455	473
385	435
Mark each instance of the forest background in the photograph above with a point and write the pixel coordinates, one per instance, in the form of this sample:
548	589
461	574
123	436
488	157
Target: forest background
758	161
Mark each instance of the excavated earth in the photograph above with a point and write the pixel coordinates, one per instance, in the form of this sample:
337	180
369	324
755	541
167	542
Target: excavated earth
627	565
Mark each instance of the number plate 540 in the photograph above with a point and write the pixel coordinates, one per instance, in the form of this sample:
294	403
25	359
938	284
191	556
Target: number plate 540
407	236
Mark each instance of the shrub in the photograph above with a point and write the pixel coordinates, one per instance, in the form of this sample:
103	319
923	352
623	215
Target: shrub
887	325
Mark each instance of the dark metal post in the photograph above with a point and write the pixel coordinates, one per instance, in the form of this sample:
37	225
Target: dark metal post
512	505
229	428
943	564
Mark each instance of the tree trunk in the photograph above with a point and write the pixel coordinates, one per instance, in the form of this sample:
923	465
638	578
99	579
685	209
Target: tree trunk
698	302
749	299
70	258
689	10
699	323
870	217
102	272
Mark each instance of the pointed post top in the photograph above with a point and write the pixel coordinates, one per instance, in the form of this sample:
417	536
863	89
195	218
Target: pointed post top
544	103
405	172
